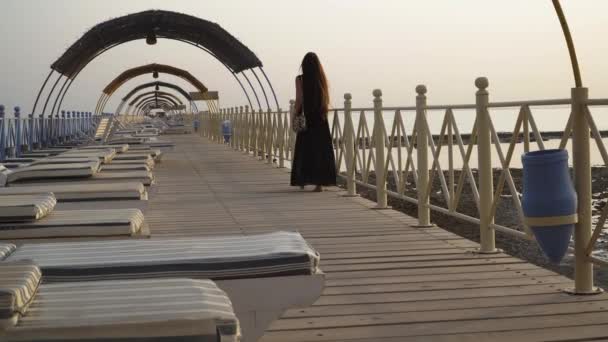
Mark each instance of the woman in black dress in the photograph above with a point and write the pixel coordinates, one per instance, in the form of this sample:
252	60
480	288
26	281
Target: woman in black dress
313	162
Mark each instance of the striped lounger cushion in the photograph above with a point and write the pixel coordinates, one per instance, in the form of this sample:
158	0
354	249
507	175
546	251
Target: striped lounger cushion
104	156
47	161
141	176
6	249
132	310
78	223
19	283
117	148
17	208
217	258
124	167
76	191
58	171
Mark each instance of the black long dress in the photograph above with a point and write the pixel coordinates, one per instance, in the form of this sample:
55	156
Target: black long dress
313	161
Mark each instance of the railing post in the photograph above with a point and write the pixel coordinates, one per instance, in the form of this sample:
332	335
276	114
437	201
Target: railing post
234	127
17	152
63	127
2	134
349	146
247	132
261	134
292	134
484	156
30	138
241	127
422	158
269	137
381	195
281	138
583	271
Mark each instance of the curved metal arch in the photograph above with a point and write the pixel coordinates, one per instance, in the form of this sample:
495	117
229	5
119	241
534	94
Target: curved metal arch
177	99
153	97
142	70
150	69
160	84
130	105
154	84
161	103
109	47
150	102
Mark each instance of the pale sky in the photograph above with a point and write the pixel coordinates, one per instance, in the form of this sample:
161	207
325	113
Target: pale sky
363	44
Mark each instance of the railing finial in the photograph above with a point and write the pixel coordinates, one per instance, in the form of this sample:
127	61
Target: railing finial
421	89
348	96
1	110
17	111
377	93
482	83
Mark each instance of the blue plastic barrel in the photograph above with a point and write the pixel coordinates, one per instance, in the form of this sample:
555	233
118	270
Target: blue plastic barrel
227	130
549	200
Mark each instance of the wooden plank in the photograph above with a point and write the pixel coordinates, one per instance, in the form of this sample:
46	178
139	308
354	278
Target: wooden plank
386	281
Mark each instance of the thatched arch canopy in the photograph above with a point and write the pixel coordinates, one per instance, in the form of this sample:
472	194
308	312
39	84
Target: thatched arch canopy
160	93
158	97
152	104
152	24
157	84
151	69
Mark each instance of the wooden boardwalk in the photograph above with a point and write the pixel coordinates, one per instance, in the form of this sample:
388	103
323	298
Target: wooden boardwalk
385	281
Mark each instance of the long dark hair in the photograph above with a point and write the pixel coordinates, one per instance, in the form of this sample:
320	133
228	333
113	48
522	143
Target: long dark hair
314	85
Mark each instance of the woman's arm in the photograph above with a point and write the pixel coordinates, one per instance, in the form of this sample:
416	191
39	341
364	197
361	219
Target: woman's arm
299	93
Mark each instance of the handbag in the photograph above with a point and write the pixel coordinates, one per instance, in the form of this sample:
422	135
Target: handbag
299	122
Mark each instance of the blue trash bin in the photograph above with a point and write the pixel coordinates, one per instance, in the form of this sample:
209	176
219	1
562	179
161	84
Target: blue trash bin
549	200
227	130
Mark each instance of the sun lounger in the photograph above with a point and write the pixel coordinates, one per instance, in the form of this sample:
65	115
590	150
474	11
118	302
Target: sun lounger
124	167
29	207
105	156
119	148
52	171
127	310
78	191
79	223
144	177
134	156
148	162
264	274
64	160
62	173
153	152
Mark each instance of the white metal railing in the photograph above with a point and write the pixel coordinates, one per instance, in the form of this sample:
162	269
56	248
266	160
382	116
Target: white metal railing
397	152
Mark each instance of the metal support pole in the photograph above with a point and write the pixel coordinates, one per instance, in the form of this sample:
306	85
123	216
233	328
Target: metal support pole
583	271
30	139
349	146
281	137
17	152
269	136
486	183
381	194
247	127
2	134
41	128
422	156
